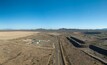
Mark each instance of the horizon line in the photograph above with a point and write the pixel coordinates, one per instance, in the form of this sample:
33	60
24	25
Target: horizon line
54	29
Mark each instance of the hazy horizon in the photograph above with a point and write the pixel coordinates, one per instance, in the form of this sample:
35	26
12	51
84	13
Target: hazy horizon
53	14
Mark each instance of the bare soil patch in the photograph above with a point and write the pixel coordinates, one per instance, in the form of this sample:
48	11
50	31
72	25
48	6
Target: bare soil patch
14	34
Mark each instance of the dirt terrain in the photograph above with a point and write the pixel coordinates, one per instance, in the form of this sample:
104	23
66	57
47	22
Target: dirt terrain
41	48
14	34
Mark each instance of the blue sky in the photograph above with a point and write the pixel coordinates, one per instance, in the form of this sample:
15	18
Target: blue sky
32	14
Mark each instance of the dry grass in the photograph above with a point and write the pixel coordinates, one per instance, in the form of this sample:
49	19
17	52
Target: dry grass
14	34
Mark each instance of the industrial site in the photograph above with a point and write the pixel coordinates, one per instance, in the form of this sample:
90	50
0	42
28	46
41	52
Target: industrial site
53	48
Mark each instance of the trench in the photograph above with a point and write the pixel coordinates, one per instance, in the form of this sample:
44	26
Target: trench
98	49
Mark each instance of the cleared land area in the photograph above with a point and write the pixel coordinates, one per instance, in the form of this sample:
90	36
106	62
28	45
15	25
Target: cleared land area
44	48
14	34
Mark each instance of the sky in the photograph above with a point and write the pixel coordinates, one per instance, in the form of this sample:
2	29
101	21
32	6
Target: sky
53	14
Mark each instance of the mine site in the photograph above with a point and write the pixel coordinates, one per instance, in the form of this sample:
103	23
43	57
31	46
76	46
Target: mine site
53	48
53	32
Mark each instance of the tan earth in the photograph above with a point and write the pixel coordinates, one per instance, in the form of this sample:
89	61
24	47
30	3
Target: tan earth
14	34
39	48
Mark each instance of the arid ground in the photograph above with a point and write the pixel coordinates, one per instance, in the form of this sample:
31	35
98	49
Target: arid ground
48	48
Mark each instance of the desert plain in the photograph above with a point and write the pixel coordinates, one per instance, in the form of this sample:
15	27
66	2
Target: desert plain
50	48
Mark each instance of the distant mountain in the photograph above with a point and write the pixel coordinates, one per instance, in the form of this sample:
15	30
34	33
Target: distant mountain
59	30
104	28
